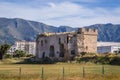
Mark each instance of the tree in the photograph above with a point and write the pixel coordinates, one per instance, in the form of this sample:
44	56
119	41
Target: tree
117	51
19	53
3	50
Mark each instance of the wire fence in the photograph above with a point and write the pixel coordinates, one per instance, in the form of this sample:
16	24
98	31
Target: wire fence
63	73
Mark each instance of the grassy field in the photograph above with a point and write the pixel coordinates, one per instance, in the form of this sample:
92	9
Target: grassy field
59	71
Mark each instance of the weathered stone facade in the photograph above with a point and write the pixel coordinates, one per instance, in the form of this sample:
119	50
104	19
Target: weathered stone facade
66	45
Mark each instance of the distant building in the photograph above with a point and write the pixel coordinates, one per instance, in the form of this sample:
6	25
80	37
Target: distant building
27	46
108	47
66	45
12	49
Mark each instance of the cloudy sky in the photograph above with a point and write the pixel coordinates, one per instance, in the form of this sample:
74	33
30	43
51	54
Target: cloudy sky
75	13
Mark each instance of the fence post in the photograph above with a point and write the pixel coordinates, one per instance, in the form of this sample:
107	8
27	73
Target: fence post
20	73
42	74
83	72
63	73
103	70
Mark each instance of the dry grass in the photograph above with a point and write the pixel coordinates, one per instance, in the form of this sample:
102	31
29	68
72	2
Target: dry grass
55	72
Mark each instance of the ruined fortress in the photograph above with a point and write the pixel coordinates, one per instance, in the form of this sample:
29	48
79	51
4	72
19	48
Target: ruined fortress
66	45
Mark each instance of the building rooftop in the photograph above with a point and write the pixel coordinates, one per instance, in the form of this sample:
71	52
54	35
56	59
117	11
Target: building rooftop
51	34
108	43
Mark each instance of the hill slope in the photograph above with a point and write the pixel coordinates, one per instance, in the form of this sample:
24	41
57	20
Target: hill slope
20	29
107	32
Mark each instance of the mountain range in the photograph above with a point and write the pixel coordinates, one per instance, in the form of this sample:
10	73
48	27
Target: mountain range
13	29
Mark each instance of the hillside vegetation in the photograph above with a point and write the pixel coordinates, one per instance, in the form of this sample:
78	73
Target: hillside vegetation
20	29
106	58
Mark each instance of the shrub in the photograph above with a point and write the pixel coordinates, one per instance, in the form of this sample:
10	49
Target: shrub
19	53
47	60
8	56
77	59
29	55
83	53
101	59
115	61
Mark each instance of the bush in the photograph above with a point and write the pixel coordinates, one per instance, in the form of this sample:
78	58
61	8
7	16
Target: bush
103	59
19	53
47	60
83	53
8	56
29	55
86	59
115	61
77	59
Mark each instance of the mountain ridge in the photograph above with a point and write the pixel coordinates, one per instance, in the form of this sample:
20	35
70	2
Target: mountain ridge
13	29
20	29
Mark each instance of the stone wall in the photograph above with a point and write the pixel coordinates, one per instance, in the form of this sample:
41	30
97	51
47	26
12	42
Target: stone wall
45	43
66	45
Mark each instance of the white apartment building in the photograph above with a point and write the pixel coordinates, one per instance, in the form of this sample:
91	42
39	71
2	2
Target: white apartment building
12	49
27	46
104	47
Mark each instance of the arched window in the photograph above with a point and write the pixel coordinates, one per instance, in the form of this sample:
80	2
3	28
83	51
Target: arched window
43	55
62	50
52	52
45	41
86	47
72	52
41	42
59	40
67	39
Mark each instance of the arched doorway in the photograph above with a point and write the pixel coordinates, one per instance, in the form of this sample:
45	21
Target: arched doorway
43	55
61	50
52	52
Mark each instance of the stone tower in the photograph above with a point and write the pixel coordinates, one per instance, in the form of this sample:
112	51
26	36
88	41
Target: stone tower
87	40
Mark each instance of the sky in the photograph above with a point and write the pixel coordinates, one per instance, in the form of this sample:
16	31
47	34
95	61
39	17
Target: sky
74	13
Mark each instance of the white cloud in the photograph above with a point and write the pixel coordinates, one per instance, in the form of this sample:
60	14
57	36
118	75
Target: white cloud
64	13
88	1
51	4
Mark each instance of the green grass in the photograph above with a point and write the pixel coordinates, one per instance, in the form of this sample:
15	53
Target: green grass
72	71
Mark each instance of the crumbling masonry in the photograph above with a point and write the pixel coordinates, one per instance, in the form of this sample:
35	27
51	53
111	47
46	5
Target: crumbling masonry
66	45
